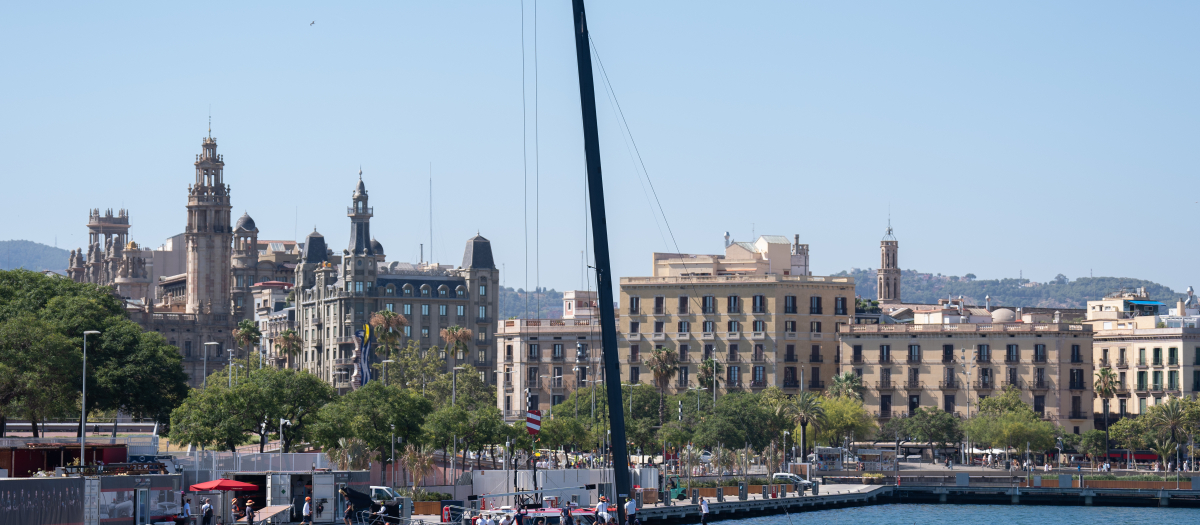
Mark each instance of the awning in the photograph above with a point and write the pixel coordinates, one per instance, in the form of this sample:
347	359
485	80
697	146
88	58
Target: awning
1148	302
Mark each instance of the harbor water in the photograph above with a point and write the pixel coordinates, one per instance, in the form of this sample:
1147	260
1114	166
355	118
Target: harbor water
925	514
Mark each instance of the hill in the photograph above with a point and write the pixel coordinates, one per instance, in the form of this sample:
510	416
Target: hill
32	256
917	287
512	303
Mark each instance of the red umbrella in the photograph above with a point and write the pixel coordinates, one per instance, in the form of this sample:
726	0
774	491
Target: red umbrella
224	485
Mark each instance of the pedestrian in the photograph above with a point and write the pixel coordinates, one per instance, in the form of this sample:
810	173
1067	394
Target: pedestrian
186	512
348	514
235	508
565	518
602	509
306	514
206	512
250	514
703	511
631	512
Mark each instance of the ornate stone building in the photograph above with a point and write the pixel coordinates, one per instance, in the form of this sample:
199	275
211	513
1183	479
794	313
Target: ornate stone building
336	295
111	258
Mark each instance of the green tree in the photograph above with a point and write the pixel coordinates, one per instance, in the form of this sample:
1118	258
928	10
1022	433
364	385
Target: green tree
443	426
456	339
35	364
847	384
845	418
247	334
135	372
389	326
206	419
663	364
709	376
471	391
289	344
934	426
417	368
370	414
1106	385
1095	444
808	409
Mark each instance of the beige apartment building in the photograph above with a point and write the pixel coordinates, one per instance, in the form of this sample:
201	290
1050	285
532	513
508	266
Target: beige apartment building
541	361
908	366
757	310
1154	355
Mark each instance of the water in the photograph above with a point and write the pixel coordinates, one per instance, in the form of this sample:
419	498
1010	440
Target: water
925	514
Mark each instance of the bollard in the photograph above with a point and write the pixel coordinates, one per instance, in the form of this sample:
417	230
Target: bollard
720	494
742	491
695	496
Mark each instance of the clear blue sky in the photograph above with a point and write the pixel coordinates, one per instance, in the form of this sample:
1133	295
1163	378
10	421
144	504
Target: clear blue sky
1043	137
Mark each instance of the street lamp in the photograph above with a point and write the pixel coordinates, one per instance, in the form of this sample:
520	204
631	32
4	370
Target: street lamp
205	372
453	402
385	370
785	455
230	374
83	403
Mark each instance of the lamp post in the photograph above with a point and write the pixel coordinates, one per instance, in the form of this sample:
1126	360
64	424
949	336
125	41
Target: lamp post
385	370
393	465
83	403
785	435
230	374
454	438
204	381
967	374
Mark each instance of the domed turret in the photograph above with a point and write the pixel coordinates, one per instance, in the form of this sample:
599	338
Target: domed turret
376	247
245	222
1004	315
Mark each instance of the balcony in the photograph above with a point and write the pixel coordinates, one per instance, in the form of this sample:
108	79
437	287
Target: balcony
758	358
679	384
658	336
685	358
556	357
508	358
1012	358
633	358
1076	359
948	385
339	384
791	383
483	363
658	310
815	358
556	383
816	385
1156	389
857	359
1041	384
731	386
885	413
344	361
1013	384
914	359
912	384
1121	363
533	383
1077	414
789	358
984	385
885	359
1141	389
1121	388
947	358
1103	361
634	310
886	384
758	383
1039	358
1077	385
1142	364
707	336
533	357
983	358
732	334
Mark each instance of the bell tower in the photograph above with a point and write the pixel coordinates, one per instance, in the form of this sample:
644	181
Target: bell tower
359	263
889	269
209	234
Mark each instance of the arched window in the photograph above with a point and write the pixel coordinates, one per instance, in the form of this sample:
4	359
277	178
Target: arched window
425	290
443	291
408	290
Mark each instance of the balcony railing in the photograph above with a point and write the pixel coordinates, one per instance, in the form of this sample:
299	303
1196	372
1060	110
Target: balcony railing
1103	361
556	382
983	358
815	358
857	359
758	383
1013	384
1040	385
633	358
1077	414
914	358
759	358
1078	385
947	358
557	357
984	385
816	385
1012	358
732	358
533	357
1122	363
790	358
658	310
1039	358
733	385
678	384
948	385
791	383
885	385
1076	359
912	384
885	359
533	383
884	413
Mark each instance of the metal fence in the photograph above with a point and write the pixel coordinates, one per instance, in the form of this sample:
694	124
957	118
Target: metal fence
136	445
201	466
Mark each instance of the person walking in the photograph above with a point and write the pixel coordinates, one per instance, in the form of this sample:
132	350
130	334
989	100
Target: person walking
348	514
206	512
186	512
703	511
250	514
306	514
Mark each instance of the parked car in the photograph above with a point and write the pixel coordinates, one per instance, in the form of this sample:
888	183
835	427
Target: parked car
786	478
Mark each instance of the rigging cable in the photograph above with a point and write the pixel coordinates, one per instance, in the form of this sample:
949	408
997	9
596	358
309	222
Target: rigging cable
525	159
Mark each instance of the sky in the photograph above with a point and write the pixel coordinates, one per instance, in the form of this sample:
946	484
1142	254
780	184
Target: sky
1003	138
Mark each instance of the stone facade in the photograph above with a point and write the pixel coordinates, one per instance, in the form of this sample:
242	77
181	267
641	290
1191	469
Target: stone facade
336	295
766	320
889	269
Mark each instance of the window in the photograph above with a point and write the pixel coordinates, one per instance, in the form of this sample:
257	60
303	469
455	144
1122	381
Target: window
482	312
949	403
425	291
789	326
914	402
558	353
708	327
708	352
708	304
839	306
508	351
1141	356
885	353
814	305
685	327
1141	380
425	333
408	309
187	349
534	351
658	306
733	352
1039	404
734	377
1173	380
857	355
683	376
733	326
683	305
391	307
814	326
634	326
507	399
816	354
683	354
1158	380
424	309
443	309
1012	354
460	293
408	331
462	310
634	350
1076	379
947	353
408	290
1039	353
239	281
358	286
733	304
760	376
1172	356
1122	406
658	327
443	292
760	326
759	304
984	353
483	290
1142	405
914	353
1195	380
789	304
1158	357
634	375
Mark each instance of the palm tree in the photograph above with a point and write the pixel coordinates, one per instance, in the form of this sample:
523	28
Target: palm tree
710	375
663	364
1170	418
418	461
247	333
388	325
456	338
807	409
1106	388
288	343
846	385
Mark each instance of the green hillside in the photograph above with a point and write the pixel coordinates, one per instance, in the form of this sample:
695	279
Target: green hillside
917	287
32	256
512	304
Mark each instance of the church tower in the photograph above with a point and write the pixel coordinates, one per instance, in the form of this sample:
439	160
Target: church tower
889	269
358	265
209	235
